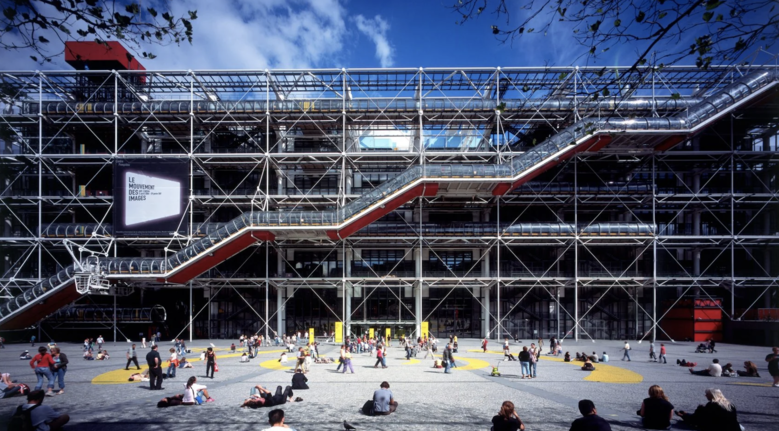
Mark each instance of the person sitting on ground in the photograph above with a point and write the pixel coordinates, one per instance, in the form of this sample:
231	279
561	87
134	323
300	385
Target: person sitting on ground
245	357
183	363
714	370
579	356
590	421
751	370
299	380
43	417
594	357
193	391
507	419
232	348
718	414
175	400
276	421
567	357
382	403
656	411
588	365
728	371
257	397
25	355
604	357
684	363
100	356
88	355
8	388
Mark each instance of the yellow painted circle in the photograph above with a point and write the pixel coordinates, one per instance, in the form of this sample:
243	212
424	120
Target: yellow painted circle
605	373
274	364
121	375
473	364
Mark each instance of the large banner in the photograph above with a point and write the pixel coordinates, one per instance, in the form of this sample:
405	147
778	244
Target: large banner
149	196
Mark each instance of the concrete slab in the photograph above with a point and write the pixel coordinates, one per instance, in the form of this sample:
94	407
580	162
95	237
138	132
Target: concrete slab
429	400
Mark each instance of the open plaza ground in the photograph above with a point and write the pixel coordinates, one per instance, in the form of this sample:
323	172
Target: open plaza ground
99	397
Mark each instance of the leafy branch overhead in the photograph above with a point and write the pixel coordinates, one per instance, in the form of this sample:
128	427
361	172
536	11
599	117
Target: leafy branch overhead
34	24
710	31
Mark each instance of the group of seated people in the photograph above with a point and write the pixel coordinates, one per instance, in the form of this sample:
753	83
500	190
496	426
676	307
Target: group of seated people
101	355
717	370
718	414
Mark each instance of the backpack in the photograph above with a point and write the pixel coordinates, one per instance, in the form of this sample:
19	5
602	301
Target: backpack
22	419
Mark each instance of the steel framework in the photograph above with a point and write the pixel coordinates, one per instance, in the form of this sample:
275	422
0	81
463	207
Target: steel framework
487	202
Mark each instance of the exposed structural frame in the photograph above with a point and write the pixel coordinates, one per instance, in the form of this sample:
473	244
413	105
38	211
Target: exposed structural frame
357	123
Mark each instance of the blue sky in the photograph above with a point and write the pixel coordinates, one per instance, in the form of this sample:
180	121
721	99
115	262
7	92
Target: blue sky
335	33
259	34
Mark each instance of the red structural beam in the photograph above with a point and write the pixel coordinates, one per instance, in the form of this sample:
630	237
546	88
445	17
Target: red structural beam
213	258
43	308
100	56
592	145
423	189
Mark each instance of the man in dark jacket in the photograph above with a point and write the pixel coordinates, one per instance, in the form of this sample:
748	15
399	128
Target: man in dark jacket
448	358
590	421
155	369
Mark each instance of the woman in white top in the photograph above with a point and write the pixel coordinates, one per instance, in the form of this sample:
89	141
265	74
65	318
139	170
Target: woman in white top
193	390
173	363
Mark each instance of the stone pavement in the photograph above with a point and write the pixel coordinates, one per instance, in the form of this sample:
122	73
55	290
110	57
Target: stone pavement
99	398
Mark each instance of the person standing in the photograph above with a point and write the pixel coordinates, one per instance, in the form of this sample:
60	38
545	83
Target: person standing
535	354
42	363
100	343
652	357
32	341
301	359
173	363
662	354
524	362
210	361
132	356
484	344
447	358
43	417
60	367
590	421
626	348
773	365
155	369
553	346
347	361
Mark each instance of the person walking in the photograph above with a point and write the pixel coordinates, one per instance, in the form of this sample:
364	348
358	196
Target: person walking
132	356
210	361
379	358
626	348
773	365
42	364
524	362
662	354
60	367
484	345
348	361
32	341
301	359
155	369
173	363
447	358
100	343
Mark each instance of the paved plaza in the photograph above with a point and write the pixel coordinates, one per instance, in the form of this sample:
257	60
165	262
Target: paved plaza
98	396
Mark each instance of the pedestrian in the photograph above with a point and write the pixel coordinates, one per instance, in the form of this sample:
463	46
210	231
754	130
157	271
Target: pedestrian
155	369
535	353
60	368
590	421
484	344
32	341
447	358
626	348
173	363
42	364
100	343
662	354
348	361
210	361
132	356
524	362
2	342
143	340
42	417
652	357
553	346
301	359
183	347
773	365
379	358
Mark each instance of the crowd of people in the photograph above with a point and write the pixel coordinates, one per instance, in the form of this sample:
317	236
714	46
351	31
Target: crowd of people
656	411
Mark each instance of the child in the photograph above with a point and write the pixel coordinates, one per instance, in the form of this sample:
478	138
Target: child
232	348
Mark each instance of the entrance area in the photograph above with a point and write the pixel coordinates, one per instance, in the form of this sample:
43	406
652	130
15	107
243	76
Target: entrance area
397	328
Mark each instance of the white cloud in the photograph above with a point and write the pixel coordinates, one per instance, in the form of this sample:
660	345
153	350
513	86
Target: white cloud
376	29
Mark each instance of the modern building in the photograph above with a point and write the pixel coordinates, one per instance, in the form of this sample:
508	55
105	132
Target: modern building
596	202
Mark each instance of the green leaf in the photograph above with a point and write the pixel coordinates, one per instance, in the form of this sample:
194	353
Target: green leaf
82	33
641	15
617	23
525	88
133	8
152	56
152	11
167	17
713	4
192	14
9	13
595	26
563	76
676	96
662	15
642	62
592	50
719	18
606	92
495	29
740	45
707	16
601	72
34	58
42	39
64	30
